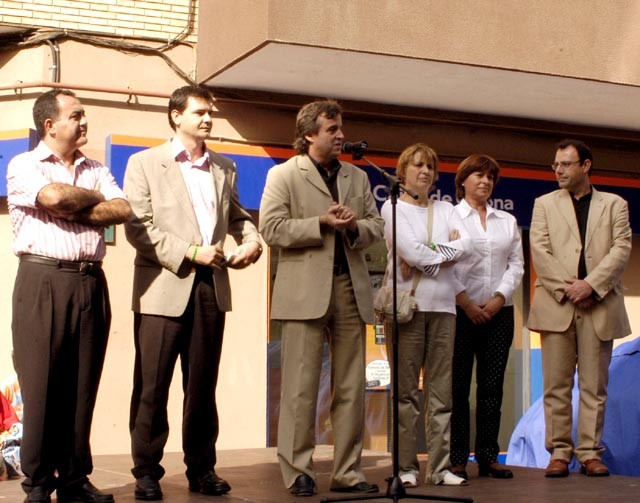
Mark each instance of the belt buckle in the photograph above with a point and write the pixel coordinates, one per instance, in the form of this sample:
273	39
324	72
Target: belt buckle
85	267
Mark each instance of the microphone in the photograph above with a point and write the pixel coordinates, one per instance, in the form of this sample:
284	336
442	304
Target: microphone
356	149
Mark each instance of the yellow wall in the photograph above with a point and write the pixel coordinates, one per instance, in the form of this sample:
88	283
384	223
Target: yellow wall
9	267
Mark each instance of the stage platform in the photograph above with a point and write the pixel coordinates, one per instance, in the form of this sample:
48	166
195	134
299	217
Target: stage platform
254	476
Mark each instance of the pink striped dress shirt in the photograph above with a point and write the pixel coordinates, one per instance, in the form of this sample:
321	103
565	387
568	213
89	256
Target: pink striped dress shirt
199	181
35	230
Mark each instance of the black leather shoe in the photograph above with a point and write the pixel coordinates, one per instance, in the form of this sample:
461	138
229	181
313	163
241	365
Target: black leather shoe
209	484
147	489
303	486
85	493
360	487
38	494
494	470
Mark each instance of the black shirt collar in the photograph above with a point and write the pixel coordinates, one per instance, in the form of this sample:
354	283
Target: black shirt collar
583	199
334	167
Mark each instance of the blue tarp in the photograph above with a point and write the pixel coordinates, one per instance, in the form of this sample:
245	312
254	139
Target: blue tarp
621	436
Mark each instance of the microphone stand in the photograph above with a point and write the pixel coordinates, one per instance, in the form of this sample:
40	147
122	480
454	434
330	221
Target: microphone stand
395	489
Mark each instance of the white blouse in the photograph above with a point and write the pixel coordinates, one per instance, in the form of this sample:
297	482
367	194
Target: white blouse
434	292
492	261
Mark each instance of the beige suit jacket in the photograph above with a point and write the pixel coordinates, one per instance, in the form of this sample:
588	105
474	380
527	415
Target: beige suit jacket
556	249
294	197
163	225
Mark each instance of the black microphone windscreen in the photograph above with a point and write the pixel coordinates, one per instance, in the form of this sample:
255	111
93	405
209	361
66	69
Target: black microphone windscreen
354	148
347	147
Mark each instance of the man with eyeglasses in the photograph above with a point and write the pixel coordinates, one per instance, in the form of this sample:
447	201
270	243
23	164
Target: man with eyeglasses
580	243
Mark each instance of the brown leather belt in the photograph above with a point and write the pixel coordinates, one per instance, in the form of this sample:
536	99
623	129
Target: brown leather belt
61	264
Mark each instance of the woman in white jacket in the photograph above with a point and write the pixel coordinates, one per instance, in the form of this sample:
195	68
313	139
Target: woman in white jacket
426	342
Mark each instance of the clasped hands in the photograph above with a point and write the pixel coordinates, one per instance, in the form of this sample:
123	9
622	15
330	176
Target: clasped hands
482	314
339	217
579	292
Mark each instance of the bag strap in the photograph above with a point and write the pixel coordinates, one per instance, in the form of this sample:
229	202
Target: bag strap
429	222
416	280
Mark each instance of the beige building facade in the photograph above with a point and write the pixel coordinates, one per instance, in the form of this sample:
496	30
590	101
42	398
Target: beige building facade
503	77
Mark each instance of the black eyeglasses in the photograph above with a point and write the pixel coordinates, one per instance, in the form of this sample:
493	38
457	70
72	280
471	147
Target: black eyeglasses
563	164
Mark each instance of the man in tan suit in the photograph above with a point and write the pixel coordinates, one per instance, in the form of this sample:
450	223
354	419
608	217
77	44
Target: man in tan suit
580	242
321	214
185	201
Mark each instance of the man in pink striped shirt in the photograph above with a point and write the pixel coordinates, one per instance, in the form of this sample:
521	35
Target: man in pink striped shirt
59	203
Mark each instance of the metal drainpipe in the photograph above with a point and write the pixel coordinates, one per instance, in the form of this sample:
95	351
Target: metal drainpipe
55	59
112	90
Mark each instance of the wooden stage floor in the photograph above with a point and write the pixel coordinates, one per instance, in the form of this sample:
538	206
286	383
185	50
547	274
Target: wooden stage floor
254	476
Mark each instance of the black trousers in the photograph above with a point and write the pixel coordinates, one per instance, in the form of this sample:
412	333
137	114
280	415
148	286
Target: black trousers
488	344
196	337
60	327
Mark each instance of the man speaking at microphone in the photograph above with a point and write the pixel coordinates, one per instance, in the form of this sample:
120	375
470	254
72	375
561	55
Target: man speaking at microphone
321	214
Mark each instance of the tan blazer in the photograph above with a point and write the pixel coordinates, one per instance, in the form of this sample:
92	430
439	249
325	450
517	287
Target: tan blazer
556	249
164	224
294	197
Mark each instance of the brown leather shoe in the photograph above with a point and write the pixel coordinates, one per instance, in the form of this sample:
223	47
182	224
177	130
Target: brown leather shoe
557	468
594	468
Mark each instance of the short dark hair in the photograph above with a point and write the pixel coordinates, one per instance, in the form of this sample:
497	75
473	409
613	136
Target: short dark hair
425	151
476	163
180	99
584	152
307	121
46	107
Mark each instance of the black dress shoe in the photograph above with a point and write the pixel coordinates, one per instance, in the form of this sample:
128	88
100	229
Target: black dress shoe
494	470
303	486
360	487
209	484
147	489
85	493
38	494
